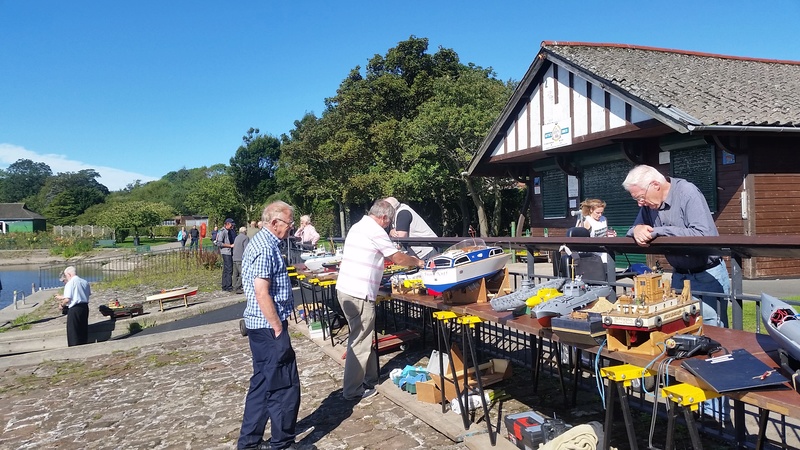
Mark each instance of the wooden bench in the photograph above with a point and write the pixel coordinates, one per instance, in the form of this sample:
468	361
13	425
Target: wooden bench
174	294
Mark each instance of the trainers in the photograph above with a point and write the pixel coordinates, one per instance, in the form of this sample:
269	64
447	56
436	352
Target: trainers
369	393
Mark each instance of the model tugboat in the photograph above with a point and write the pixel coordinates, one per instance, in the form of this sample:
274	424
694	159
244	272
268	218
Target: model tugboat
654	308
114	309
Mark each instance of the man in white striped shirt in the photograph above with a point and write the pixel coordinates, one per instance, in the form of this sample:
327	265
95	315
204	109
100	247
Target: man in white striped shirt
360	272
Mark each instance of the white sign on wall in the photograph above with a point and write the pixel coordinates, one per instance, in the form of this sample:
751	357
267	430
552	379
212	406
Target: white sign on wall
556	134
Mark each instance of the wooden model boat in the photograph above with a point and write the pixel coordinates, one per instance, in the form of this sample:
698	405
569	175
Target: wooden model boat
654	306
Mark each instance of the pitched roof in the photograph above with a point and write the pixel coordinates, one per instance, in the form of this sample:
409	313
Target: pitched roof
696	88
17	211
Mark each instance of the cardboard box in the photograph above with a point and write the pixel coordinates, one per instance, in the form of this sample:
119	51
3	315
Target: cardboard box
492	372
315	330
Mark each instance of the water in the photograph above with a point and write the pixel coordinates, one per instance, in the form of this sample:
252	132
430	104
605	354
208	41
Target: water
23	277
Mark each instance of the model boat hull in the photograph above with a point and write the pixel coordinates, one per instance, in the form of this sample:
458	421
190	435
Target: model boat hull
565	304
518	298
468	261
440	280
782	324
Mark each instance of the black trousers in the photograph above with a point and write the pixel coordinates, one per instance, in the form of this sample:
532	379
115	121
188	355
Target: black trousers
227	272
78	325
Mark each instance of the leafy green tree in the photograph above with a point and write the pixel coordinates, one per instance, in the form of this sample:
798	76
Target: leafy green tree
442	138
67	195
253	169
136	215
215	196
22	179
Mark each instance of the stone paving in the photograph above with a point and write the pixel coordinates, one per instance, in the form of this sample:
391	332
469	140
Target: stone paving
187	393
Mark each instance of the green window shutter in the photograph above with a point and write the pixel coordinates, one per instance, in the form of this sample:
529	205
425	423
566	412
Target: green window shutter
697	165
604	181
554	194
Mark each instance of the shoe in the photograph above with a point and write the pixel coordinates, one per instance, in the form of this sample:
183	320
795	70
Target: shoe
239	291
369	393
263	445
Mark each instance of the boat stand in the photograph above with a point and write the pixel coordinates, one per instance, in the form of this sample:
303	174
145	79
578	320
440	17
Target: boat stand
467	325
620	378
687	397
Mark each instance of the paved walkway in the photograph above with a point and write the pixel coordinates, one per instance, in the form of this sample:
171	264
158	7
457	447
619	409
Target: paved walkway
183	389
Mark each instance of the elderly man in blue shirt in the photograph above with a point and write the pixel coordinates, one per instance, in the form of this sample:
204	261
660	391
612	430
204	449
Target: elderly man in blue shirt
676	207
274	392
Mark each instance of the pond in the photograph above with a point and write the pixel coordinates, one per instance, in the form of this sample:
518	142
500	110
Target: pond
24	278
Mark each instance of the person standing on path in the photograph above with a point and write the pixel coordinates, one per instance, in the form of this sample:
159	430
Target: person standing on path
225	244
76	298
407	223
360	272
194	235
274	392
239	244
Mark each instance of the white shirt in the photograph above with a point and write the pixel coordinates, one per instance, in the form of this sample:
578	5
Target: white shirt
77	290
361	269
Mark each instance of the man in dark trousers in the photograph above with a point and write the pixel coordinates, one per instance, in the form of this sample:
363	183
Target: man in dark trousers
274	393
225	244
76	298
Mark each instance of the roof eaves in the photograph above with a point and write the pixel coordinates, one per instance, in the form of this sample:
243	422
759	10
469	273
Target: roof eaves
670	116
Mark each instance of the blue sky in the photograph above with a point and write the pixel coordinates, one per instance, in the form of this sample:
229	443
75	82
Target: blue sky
140	88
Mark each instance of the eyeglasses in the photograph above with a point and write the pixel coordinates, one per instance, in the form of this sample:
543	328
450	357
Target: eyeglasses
291	224
640	198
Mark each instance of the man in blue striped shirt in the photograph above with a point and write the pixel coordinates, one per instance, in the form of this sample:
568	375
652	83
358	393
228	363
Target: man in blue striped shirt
274	392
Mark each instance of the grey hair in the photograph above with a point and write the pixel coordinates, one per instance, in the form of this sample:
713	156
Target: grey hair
382	208
70	270
274	210
641	176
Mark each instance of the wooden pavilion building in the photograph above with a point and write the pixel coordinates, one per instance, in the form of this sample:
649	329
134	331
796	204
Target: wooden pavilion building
585	113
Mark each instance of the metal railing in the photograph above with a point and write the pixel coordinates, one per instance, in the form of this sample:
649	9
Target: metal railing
142	264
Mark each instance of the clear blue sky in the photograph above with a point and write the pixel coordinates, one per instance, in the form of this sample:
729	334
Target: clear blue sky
136	89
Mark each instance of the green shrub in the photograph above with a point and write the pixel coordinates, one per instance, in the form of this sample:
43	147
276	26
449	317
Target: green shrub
122	234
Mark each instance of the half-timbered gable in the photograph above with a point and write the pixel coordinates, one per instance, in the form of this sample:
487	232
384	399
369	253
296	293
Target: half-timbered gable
585	113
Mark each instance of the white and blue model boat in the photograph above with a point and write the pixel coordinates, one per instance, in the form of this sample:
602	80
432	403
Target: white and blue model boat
782	324
465	262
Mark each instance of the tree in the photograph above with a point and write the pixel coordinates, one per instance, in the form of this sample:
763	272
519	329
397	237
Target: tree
22	179
214	196
445	135
67	195
135	214
252	170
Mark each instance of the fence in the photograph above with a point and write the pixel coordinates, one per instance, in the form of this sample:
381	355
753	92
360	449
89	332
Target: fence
84	231
130	264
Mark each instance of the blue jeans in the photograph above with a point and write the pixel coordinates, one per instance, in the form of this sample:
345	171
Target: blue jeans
713	280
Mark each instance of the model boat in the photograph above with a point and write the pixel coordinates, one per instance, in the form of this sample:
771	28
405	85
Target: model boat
519	298
318	263
782	324
654	306
576	295
469	260
584	326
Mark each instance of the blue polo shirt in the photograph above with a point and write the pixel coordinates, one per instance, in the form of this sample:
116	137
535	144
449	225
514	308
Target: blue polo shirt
262	259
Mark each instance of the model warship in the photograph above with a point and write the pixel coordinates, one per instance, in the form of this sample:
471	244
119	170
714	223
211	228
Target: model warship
521	297
576	295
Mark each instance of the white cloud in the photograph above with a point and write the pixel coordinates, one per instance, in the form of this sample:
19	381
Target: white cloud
113	179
